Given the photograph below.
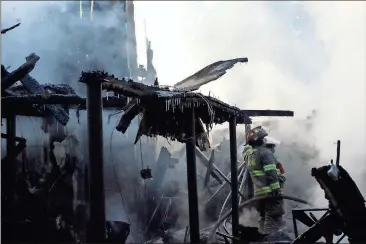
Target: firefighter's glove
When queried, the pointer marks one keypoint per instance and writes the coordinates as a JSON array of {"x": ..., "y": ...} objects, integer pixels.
[
  {"x": 281, "y": 178},
  {"x": 277, "y": 193}
]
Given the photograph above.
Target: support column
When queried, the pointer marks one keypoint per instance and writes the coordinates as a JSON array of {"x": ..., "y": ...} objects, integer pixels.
[
  {"x": 96, "y": 226},
  {"x": 11, "y": 164},
  {"x": 234, "y": 177},
  {"x": 192, "y": 180}
]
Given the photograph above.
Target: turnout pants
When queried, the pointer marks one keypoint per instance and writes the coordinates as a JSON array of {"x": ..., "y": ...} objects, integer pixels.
[{"x": 270, "y": 215}]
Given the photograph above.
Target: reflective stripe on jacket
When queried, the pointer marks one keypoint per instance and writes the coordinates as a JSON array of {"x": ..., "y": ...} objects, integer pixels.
[{"x": 262, "y": 168}]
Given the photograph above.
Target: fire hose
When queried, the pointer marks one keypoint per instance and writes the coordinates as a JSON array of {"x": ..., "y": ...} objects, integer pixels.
[{"x": 211, "y": 236}]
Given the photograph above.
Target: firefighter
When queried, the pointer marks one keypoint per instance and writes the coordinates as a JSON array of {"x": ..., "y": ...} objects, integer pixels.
[
  {"x": 262, "y": 167},
  {"x": 271, "y": 144}
]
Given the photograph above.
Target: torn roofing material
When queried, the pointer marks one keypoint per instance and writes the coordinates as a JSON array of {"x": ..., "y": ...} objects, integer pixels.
[{"x": 210, "y": 73}]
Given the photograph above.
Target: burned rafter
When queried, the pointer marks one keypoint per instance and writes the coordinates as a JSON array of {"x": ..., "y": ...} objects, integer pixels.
[
  {"x": 130, "y": 111},
  {"x": 269, "y": 113},
  {"x": 8, "y": 79},
  {"x": 34, "y": 105},
  {"x": 174, "y": 99},
  {"x": 3, "y": 31}
]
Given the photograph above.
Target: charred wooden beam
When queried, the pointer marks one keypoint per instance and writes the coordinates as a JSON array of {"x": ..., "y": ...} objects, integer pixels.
[
  {"x": 11, "y": 137},
  {"x": 130, "y": 111},
  {"x": 33, "y": 87},
  {"x": 3, "y": 31},
  {"x": 19, "y": 73},
  {"x": 17, "y": 138},
  {"x": 209, "y": 169},
  {"x": 192, "y": 179},
  {"x": 268, "y": 113},
  {"x": 97, "y": 228},
  {"x": 60, "y": 99},
  {"x": 205, "y": 161},
  {"x": 142, "y": 129},
  {"x": 11, "y": 160},
  {"x": 234, "y": 178},
  {"x": 42, "y": 99},
  {"x": 124, "y": 88},
  {"x": 16, "y": 105}
]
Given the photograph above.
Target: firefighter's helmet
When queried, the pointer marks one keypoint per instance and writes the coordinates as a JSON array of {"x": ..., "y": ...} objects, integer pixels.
[{"x": 256, "y": 134}]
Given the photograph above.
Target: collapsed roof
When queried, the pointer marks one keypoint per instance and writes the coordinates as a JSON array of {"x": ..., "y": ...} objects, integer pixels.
[{"x": 164, "y": 111}]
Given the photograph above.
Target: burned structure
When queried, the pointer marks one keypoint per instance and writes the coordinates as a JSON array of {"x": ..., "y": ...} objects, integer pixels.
[{"x": 35, "y": 206}]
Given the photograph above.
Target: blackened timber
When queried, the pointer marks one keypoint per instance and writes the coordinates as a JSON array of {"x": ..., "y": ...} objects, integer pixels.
[
  {"x": 19, "y": 73},
  {"x": 96, "y": 231},
  {"x": 269, "y": 113},
  {"x": 147, "y": 94},
  {"x": 11, "y": 160},
  {"x": 131, "y": 110},
  {"x": 42, "y": 99},
  {"x": 192, "y": 178},
  {"x": 110, "y": 101},
  {"x": 234, "y": 177},
  {"x": 3, "y": 31},
  {"x": 205, "y": 161}
]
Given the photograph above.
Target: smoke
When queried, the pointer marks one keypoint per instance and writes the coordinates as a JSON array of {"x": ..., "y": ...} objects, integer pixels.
[
  {"x": 67, "y": 45},
  {"x": 302, "y": 56}
]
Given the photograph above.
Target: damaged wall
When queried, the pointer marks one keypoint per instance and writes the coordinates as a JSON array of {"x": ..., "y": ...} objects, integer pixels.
[{"x": 66, "y": 45}]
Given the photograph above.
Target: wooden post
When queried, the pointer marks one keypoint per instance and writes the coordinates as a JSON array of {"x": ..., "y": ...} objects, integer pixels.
[
  {"x": 11, "y": 164},
  {"x": 192, "y": 180},
  {"x": 234, "y": 177},
  {"x": 96, "y": 226}
]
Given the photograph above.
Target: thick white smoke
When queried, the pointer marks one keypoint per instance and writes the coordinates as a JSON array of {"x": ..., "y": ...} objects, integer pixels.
[{"x": 302, "y": 56}]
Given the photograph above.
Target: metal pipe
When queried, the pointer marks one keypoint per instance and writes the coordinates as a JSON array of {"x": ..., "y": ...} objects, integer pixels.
[
  {"x": 228, "y": 196},
  {"x": 227, "y": 181},
  {"x": 96, "y": 233},
  {"x": 194, "y": 228},
  {"x": 202, "y": 158},
  {"x": 225, "y": 177},
  {"x": 225, "y": 202},
  {"x": 216, "y": 192},
  {"x": 243, "y": 184},
  {"x": 234, "y": 177}
]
